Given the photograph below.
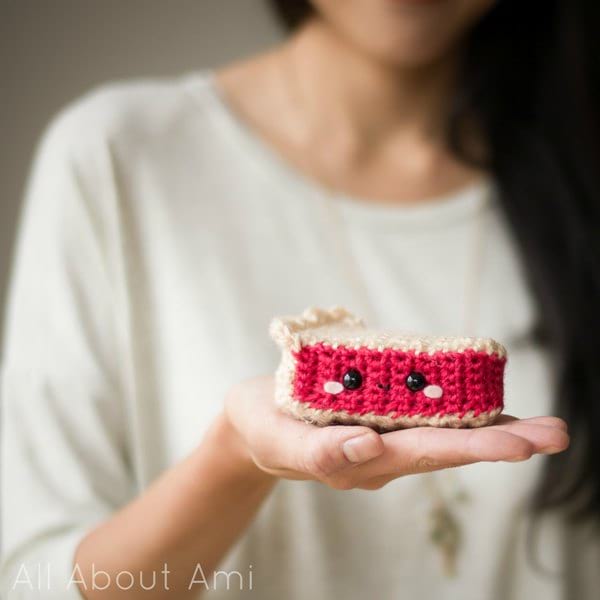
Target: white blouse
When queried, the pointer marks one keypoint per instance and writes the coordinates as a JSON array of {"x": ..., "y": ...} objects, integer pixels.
[{"x": 158, "y": 239}]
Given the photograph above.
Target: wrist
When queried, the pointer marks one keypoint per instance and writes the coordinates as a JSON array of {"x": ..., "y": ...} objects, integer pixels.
[{"x": 225, "y": 440}]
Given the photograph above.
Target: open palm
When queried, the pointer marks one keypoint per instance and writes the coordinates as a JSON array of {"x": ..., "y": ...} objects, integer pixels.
[{"x": 346, "y": 457}]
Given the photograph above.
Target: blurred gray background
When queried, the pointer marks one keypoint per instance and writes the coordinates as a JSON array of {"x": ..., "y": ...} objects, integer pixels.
[{"x": 51, "y": 51}]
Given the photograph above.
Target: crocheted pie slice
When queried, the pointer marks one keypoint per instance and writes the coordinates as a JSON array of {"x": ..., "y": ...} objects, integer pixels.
[{"x": 334, "y": 370}]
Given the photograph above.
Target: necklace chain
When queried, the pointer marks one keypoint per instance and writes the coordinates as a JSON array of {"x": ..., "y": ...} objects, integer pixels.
[{"x": 445, "y": 530}]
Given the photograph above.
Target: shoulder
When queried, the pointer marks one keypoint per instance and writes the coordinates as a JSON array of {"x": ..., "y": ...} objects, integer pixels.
[
  {"x": 129, "y": 114},
  {"x": 106, "y": 142}
]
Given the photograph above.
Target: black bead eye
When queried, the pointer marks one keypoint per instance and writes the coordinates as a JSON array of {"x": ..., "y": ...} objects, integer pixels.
[
  {"x": 415, "y": 381},
  {"x": 352, "y": 379}
]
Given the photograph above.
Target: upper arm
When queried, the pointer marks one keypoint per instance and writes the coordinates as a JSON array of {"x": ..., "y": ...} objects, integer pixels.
[{"x": 64, "y": 439}]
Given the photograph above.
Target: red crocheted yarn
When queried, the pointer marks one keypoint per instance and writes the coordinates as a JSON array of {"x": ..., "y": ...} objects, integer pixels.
[
  {"x": 334, "y": 370},
  {"x": 471, "y": 381}
]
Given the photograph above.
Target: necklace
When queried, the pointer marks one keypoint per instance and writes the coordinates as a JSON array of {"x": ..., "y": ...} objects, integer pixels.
[
  {"x": 444, "y": 527},
  {"x": 445, "y": 530}
]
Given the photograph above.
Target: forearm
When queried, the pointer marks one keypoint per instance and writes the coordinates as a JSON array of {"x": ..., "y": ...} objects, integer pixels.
[{"x": 189, "y": 516}]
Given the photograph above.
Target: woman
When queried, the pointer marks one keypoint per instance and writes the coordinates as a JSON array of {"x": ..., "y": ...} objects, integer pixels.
[{"x": 428, "y": 164}]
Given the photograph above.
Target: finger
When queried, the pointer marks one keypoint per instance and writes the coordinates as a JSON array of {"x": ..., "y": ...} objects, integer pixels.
[
  {"x": 542, "y": 420},
  {"x": 525, "y": 438},
  {"x": 547, "y": 434},
  {"x": 427, "y": 449},
  {"x": 555, "y": 422},
  {"x": 321, "y": 453},
  {"x": 331, "y": 451},
  {"x": 545, "y": 439}
]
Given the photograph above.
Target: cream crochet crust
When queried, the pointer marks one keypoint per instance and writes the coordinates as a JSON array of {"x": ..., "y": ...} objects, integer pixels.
[{"x": 337, "y": 326}]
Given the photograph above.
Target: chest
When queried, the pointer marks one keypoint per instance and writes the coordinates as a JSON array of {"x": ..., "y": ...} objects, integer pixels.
[{"x": 209, "y": 280}]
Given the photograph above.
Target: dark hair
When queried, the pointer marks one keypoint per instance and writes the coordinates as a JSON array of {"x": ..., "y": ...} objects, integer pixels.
[{"x": 529, "y": 82}]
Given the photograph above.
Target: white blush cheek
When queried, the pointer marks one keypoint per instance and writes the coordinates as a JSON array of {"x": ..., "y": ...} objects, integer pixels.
[
  {"x": 433, "y": 391},
  {"x": 333, "y": 387}
]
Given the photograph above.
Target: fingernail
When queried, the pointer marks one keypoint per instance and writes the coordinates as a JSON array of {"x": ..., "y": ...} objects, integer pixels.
[{"x": 361, "y": 448}]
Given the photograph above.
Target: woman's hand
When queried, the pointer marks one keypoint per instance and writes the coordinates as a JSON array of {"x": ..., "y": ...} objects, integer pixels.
[{"x": 346, "y": 457}]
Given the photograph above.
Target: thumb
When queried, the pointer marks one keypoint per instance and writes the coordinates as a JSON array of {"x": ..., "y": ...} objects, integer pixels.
[{"x": 331, "y": 449}]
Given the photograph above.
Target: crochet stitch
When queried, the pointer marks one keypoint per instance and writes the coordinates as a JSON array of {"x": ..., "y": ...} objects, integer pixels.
[{"x": 335, "y": 370}]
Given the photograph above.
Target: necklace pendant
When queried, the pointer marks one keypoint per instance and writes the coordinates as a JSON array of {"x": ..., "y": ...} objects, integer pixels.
[{"x": 445, "y": 535}]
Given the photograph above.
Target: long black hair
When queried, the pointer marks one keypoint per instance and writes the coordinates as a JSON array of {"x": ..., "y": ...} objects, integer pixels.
[{"x": 529, "y": 82}]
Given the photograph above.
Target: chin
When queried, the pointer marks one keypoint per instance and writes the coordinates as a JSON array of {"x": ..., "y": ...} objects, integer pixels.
[
  {"x": 403, "y": 32},
  {"x": 410, "y": 52}
]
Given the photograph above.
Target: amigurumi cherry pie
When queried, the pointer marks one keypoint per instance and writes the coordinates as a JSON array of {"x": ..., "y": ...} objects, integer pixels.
[{"x": 335, "y": 370}]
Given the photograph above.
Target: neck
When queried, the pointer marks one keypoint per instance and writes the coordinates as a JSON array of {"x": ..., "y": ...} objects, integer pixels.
[{"x": 339, "y": 85}]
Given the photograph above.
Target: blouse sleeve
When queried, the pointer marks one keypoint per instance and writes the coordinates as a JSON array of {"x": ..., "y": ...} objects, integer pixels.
[{"x": 65, "y": 465}]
